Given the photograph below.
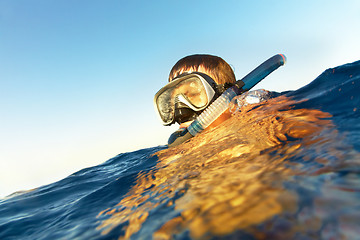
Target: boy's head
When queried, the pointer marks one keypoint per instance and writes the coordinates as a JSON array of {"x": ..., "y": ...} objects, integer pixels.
[
  {"x": 215, "y": 67},
  {"x": 195, "y": 82}
]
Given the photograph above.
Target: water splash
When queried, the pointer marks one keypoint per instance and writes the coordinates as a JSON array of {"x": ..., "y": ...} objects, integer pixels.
[{"x": 251, "y": 97}]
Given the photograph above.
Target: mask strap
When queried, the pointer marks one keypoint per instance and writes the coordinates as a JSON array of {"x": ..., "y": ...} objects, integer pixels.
[{"x": 222, "y": 87}]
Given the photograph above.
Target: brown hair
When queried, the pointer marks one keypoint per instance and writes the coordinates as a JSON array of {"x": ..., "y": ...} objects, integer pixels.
[{"x": 214, "y": 66}]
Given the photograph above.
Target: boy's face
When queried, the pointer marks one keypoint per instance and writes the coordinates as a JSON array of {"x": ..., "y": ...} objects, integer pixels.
[
  {"x": 196, "y": 96},
  {"x": 193, "y": 93}
]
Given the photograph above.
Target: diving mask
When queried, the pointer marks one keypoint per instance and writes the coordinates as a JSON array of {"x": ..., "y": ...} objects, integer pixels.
[{"x": 185, "y": 97}]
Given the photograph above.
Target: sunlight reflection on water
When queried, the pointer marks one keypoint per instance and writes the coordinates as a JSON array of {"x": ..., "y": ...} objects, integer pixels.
[{"x": 237, "y": 179}]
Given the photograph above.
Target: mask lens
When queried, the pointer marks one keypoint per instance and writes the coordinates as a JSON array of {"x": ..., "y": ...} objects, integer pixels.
[
  {"x": 165, "y": 104},
  {"x": 193, "y": 91},
  {"x": 189, "y": 91}
]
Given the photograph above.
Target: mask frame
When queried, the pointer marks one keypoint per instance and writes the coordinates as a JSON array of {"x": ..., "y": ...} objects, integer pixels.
[{"x": 165, "y": 100}]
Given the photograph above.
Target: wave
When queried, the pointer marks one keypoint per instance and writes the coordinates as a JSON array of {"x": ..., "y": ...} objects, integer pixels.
[{"x": 286, "y": 168}]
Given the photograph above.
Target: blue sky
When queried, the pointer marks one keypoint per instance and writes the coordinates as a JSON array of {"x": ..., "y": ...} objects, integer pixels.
[{"x": 77, "y": 78}]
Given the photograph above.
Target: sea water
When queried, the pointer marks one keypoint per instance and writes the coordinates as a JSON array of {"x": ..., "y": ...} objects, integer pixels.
[{"x": 283, "y": 168}]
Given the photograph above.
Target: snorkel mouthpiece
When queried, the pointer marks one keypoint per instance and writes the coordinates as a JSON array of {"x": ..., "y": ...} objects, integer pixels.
[
  {"x": 183, "y": 114},
  {"x": 219, "y": 106}
]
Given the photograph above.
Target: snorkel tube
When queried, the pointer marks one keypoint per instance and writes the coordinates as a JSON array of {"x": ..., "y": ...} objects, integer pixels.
[{"x": 219, "y": 106}]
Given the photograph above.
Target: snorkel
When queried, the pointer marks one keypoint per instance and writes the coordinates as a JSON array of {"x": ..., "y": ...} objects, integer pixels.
[{"x": 219, "y": 106}]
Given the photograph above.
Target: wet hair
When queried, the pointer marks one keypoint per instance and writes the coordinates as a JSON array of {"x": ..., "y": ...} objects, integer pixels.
[{"x": 214, "y": 66}]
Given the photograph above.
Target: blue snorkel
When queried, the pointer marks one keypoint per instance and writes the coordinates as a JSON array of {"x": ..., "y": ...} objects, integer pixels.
[{"x": 219, "y": 106}]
